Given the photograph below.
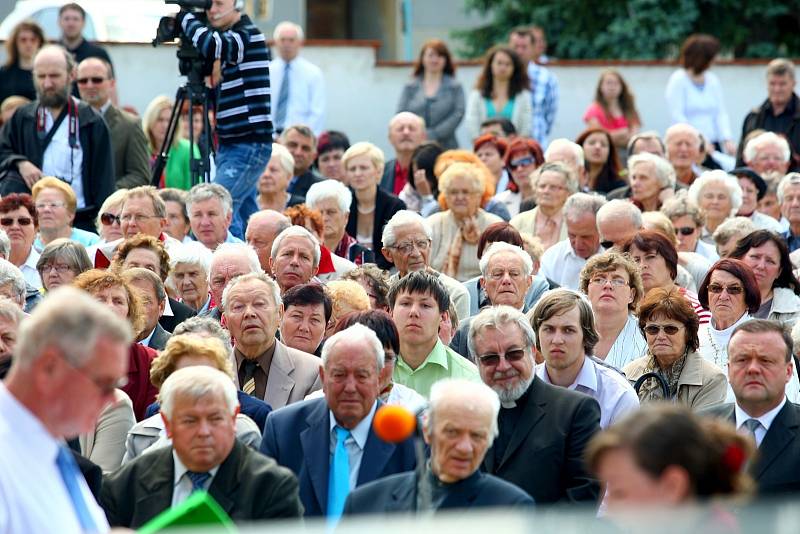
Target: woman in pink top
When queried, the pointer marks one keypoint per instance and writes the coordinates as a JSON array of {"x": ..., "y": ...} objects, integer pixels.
[{"x": 613, "y": 108}]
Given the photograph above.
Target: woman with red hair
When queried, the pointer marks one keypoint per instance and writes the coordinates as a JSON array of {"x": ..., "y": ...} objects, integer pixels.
[
  {"x": 490, "y": 149},
  {"x": 522, "y": 157}
]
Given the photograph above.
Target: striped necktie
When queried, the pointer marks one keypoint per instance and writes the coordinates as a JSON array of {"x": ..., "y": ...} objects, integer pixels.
[{"x": 249, "y": 381}]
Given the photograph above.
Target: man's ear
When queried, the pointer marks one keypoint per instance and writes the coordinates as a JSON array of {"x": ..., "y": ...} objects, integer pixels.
[
  {"x": 167, "y": 425},
  {"x": 387, "y": 253}
]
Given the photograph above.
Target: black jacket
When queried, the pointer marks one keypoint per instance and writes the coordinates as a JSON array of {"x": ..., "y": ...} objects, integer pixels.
[
  {"x": 386, "y": 205},
  {"x": 755, "y": 120},
  {"x": 19, "y": 141}
]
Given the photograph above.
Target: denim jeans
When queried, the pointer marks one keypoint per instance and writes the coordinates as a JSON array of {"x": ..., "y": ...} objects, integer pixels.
[{"x": 238, "y": 167}]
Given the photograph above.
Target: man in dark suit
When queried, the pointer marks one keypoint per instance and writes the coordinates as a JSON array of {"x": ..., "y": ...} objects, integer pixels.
[
  {"x": 329, "y": 443},
  {"x": 544, "y": 429},
  {"x": 759, "y": 367},
  {"x": 204, "y": 455},
  {"x": 96, "y": 83},
  {"x": 153, "y": 298},
  {"x": 461, "y": 425},
  {"x": 406, "y": 133},
  {"x": 302, "y": 143}
]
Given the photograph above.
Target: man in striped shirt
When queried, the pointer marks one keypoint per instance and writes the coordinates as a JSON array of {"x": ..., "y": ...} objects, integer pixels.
[{"x": 244, "y": 128}]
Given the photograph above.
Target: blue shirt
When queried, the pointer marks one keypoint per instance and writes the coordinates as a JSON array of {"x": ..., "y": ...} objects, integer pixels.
[{"x": 792, "y": 241}]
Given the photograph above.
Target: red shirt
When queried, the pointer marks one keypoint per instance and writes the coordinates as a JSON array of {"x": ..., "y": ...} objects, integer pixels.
[
  {"x": 139, "y": 388},
  {"x": 400, "y": 178}
]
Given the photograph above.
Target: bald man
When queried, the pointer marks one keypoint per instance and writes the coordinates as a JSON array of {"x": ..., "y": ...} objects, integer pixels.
[
  {"x": 81, "y": 158},
  {"x": 96, "y": 84},
  {"x": 406, "y": 133}
]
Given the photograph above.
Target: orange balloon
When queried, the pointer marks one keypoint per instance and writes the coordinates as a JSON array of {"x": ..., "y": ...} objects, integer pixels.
[{"x": 394, "y": 423}]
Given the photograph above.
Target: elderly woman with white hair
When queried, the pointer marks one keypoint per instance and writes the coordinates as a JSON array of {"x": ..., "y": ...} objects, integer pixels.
[
  {"x": 687, "y": 220},
  {"x": 372, "y": 207},
  {"x": 769, "y": 155},
  {"x": 552, "y": 184},
  {"x": 650, "y": 175},
  {"x": 274, "y": 181},
  {"x": 719, "y": 196},
  {"x": 457, "y": 230},
  {"x": 333, "y": 199},
  {"x": 189, "y": 267}
]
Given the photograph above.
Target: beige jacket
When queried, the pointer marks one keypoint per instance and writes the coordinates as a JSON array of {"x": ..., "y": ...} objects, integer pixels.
[
  {"x": 106, "y": 445},
  {"x": 701, "y": 384},
  {"x": 444, "y": 232}
]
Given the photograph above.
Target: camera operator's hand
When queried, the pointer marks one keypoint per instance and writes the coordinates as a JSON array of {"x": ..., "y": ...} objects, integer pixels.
[
  {"x": 30, "y": 173},
  {"x": 216, "y": 73}
]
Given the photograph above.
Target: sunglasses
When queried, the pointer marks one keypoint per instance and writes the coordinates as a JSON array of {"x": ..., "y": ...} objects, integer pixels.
[
  {"x": 606, "y": 244},
  {"x": 732, "y": 290},
  {"x": 654, "y": 329},
  {"x": 491, "y": 360},
  {"x": 109, "y": 218},
  {"x": 685, "y": 230},
  {"x": 521, "y": 163},
  {"x": 94, "y": 79},
  {"x": 22, "y": 221}
]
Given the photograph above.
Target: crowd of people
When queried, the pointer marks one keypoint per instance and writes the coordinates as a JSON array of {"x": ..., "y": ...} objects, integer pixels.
[{"x": 610, "y": 321}]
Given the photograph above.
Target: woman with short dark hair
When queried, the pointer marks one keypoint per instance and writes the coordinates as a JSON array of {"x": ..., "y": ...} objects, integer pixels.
[
  {"x": 19, "y": 220},
  {"x": 16, "y": 76},
  {"x": 61, "y": 261},
  {"x": 670, "y": 327}
]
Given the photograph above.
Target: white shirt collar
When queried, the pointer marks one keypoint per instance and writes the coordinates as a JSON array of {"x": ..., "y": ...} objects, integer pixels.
[
  {"x": 765, "y": 420},
  {"x": 587, "y": 376},
  {"x": 38, "y": 440},
  {"x": 146, "y": 341},
  {"x": 361, "y": 432},
  {"x": 181, "y": 469}
]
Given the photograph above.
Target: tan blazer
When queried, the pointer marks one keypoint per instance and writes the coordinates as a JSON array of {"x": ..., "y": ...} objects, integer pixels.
[
  {"x": 701, "y": 384},
  {"x": 106, "y": 445}
]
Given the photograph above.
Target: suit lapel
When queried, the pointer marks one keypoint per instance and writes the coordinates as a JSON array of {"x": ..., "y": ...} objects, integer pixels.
[
  {"x": 376, "y": 455},
  {"x": 223, "y": 487},
  {"x": 156, "y": 484},
  {"x": 781, "y": 432},
  {"x": 315, "y": 440},
  {"x": 404, "y": 496},
  {"x": 531, "y": 414},
  {"x": 280, "y": 382}
]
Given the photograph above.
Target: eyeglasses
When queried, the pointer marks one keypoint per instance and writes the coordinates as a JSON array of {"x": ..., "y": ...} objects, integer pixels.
[
  {"x": 50, "y": 205},
  {"x": 60, "y": 268},
  {"x": 615, "y": 282},
  {"x": 524, "y": 162},
  {"x": 407, "y": 247},
  {"x": 128, "y": 217},
  {"x": 492, "y": 360},
  {"x": 606, "y": 244},
  {"x": 22, "y": 221},
  {"x": 109, "y": 218},
  {"x": 94, "y": 79},
  {"x": 685, "y": 230},
  {"x": 732, "y": 290},
  {"x": 106, "y": 388},
  {"x": 654, "y": 329},
  {"x": 457, "y": 192}
]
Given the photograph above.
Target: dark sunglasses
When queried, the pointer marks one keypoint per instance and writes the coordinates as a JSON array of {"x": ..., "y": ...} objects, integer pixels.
[
  {"x": 22, "y": 221},
  {"x": 732, "y": 290},
  {"x": 654, "y": 329},
  {"x": 606, "y": 244},
  {"x": 685, "y": 230},
  {"x": 94, "y": 79},
  {"x": 493, "y": 359},
  {"x": 521, "y": 163},
  {"x": 108, "y": 219}
]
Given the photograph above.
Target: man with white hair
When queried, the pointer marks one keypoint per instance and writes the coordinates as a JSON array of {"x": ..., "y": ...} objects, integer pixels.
[
  {"x": 333, "y": 199},
  {"x": 407, "y": 244},
  {"x": 544, "y": 429},
  {"x": 780, "y": 112},
  {"x": 71, "y": 356},
  {"x": 199, "y": 408},
  {"x": 769, "y": 155},
  {"x": 460, "y": 428},
  {"x": 683, "y": 151},
  {"x": 262, "y": 229},
  {"x": 617, "y": 222},
  {"x": 562, "y": 263},
  {"x": 228, "y": 261},
  {"x": 406, "y": 133},
  {"x": 10, "y": 319},
  {"x": 330, "y": 443},
  {"x": 652, "y": 180},
  {"x": 298, "y": 87},
  {"x": 189, "y": 267},
  {"x": 294, "y": 258},
  {"x": 570, "y": 154},
  {"x": 789, "y": 198},
  {"x": 210, "y": 208}
]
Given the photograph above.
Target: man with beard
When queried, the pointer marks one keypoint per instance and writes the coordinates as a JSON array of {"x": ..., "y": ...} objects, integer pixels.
[
  {"x": 406, "y": 133},
  {"x": 56, "y": 135},
  {"x": 544, "y": 429}
]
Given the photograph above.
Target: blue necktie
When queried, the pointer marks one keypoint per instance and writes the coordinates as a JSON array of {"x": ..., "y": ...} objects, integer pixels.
[
  {"x": 198, "y": 480},
  {"x": 70, "y": 473},
  {"x": 283, "y": 100},
  {"x": 339, "y": 476}
]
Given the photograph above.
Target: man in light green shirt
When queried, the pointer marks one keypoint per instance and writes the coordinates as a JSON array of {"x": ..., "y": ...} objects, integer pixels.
[{"x": 419, "y": 302}]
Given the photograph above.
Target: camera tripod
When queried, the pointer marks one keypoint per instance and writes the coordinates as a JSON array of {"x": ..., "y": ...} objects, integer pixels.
[{"x": 197, "y": 94}]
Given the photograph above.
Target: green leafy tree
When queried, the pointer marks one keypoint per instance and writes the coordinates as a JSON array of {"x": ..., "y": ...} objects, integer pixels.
[{"x": 641, "y": 29}]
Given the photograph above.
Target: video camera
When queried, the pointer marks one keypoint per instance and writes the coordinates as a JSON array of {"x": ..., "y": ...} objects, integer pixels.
[{"x": 190, "y": 63}]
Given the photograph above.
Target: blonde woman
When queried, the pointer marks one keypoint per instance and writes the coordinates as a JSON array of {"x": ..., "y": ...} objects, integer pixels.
[{"x": 155, "y": 124}]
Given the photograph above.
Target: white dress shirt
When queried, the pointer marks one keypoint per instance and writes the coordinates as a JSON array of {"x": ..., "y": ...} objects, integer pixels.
[
  {"x": 560, "y": 264},
  {"x": 354, "y": 443},
  {"x": 608, "y": 387},
  {"x": 629, "y": 345},
  {"x": 33, "y": 497},
  {"x": 765, "y": 420},
  {"x": 63, "y": 161},
  {"x": 306, "y": 92},
  {"x": 182, "y": 484},
  {"x": 29, "y": 271}
]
